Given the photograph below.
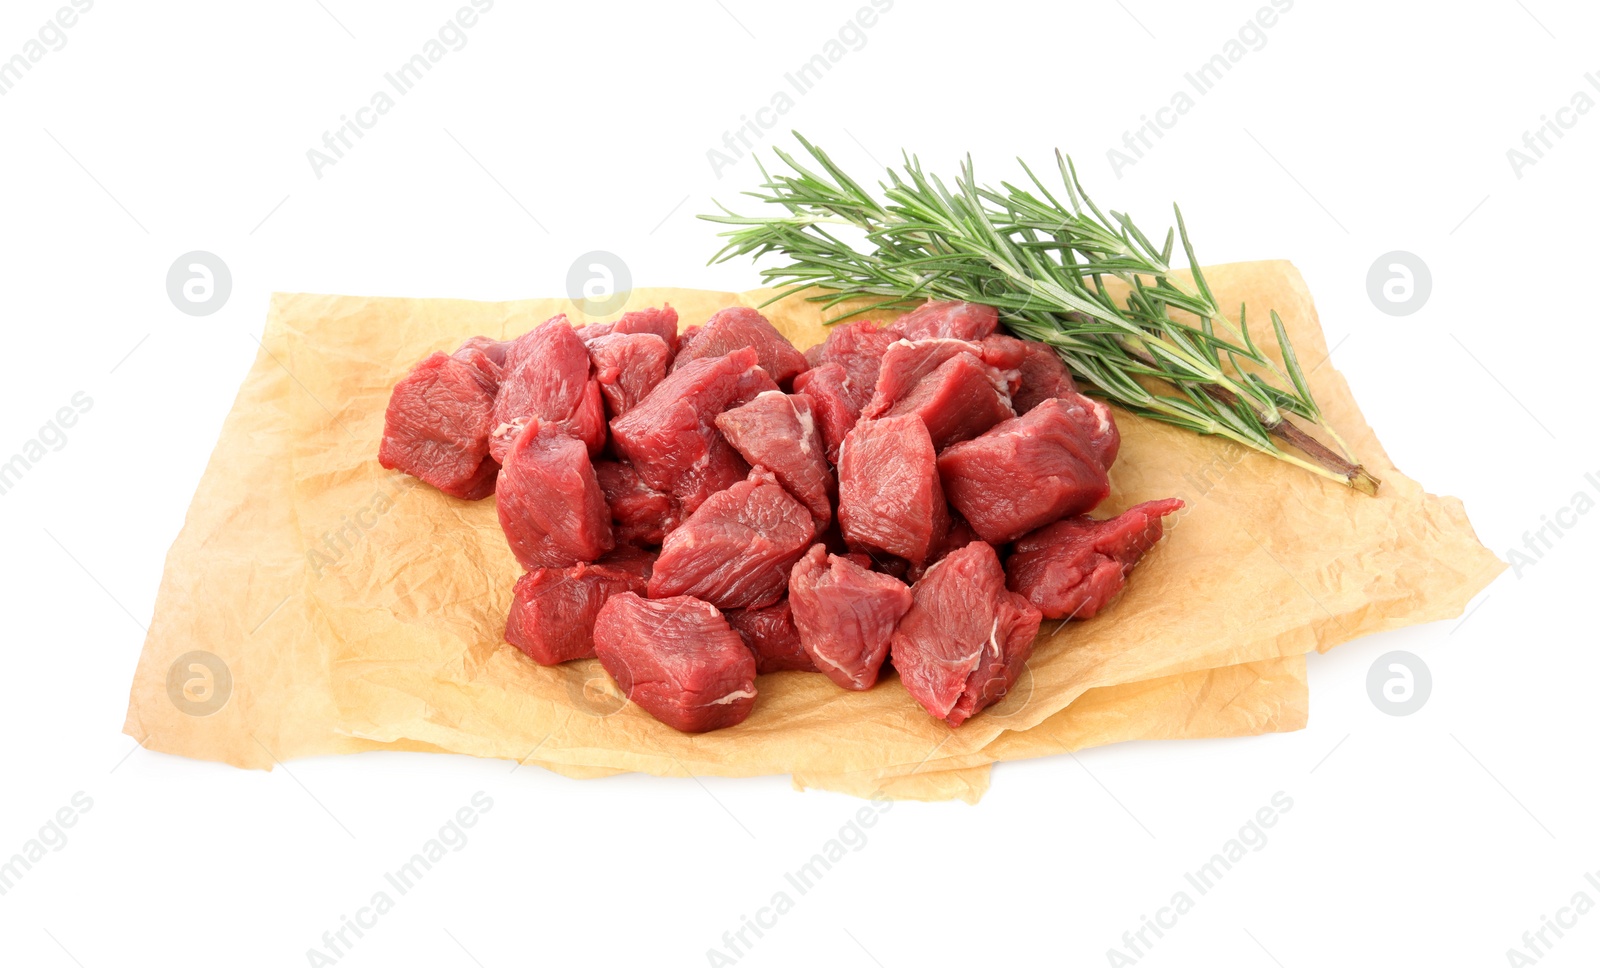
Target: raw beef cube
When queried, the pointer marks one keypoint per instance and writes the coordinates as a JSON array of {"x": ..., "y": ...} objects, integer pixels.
[
  {"x": 965, "y": 638},
  {"x": 628, "y": 366},
  {"x": 1072, "y": 568},
  {"x": 890, "y": 498},
  {"x": 772, "y": 637},
  {"x": 486, "y": 354},
  {"x": 639, "y": 513},
  {"x": 735, "y": 328},
  {"x": 661, "y": 322},
  {"x": 437, "y": 427},
  {"x": 492, "y": 348},
  {"x": 777, "y": 430},
  {"x": 1094, "y": 419},
  {"x": 960, "y": 400},
  {"x": 547, "y": 378},
  {"x": 721, "y": 468},
  {"x": 678, "y": 659},
  {"x": 845, "y": 614},
  {"x": 553, "y": 609},
  {"x": 905, "y": 363},
  {"x": 551, "y": 507},
  {"x": 1044, "y": 377},
  {"x": 1006, "y": 354},
  {"x": 671, "y": 437},
  {"x": 836, "y": 402},
  {"x": 858, "y": 347},
  {"x": 957, "y": 320},
  {"x": 736, "y": 550},
  {"x": 1025, "y": 473}
]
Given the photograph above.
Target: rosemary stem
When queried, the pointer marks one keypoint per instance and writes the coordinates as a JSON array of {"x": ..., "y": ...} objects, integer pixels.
[{"x": 1044, "y": 265}]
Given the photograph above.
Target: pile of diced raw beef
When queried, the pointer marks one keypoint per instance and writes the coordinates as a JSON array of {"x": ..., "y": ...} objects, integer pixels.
[{"x": 698, "y": 508}]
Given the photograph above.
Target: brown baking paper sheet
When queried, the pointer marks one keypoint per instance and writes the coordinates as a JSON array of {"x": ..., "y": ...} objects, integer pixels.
[{"x": 356, "y": 609}]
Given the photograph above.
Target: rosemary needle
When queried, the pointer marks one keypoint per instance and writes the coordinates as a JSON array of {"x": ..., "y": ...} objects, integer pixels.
[{"x": 1045, "y": 266}]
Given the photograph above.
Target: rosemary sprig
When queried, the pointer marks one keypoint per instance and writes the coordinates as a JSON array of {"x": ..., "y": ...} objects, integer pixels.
[{"x": 1045, "y": 266}]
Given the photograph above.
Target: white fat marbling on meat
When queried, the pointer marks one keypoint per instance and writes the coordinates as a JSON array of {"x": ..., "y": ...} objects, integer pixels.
[
  {"x": 808, "y": 427},
  {"x": 1103, "y": 414},
  {"x": 832, "y": 664},
  {"x": 734, "y": 696}
]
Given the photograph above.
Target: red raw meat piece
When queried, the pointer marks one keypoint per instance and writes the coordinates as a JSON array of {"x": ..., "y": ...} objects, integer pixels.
[
  {"x": 736, "y": 550},
  {"x": 661, "y": 322},
  {"x": 738, "y": 327},
  {"x": 845, "y": 614},
  {"x": 1072, "y": 568},
  {"x": 778, "y": 431},
  {"x": 437, "y": 425},
  {"x": 678, "y": 659},
  {"x": 492, "y": 348},
  {"x": 553, "y": 609},
  {"x": 1094, "y": 419},
  {"x": 488, "y": 355},
  {"x": 904, "y": 364},
  {"x": 628, "y": 366},
  {"x": 890, "y": 498},
  {"x": 960, "y": 400},
  {"x": 858, "y": 347},
  {"x": 965, "y": 638},
  {"x": 547, "y": 378},
  {"x": 957, "y": 320},
  {"x": 671, "y": 437},
  {"x": 1028, "y": 471},
  {"x": 772, "y": 637},
  {"x": 641, "y": 514},
  {"x": 1044, "y": 377},
  {"x": 1006, "y": 354},
  {"x": 836, "y": 401},
  {"x": 551, "y": 507}
]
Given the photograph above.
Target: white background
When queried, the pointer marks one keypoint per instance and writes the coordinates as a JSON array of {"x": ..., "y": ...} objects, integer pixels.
[{"x": 1359, "y": 128}]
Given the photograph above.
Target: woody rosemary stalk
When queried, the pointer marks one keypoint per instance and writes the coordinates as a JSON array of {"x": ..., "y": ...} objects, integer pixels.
[{"x": 1045, "y": 266}]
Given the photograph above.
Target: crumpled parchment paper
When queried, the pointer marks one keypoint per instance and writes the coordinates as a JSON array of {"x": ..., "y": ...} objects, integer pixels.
[{"x": 354, "y": 608}]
